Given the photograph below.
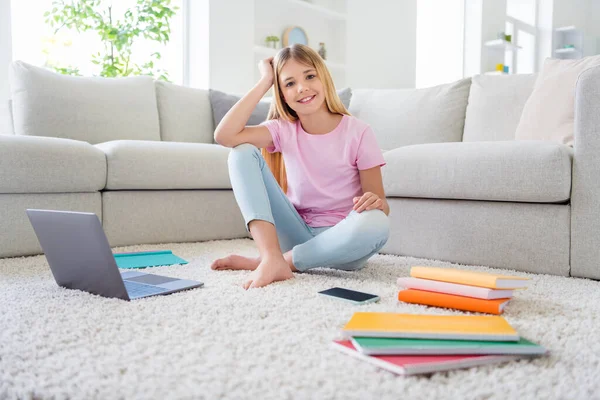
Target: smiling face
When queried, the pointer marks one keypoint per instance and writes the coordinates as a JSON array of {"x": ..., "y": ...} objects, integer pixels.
[{"x": 301, "y": 87}]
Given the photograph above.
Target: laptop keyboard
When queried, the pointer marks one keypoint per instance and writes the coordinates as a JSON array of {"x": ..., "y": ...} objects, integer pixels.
[{"x": 135, "y": 290}]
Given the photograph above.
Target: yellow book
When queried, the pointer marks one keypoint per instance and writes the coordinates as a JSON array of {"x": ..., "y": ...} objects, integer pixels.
[
  {"x": 458, "y": 327},
  {"x": 472, "y": 278}
]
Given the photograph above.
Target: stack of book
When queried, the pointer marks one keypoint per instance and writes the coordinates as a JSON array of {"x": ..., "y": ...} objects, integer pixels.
[
  {"x": 459, "y": 289},
  {"x": 416, "y": 344}
]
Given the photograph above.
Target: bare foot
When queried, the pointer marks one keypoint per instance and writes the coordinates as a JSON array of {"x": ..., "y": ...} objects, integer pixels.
[
  {"x": 268, "y": 272},
  {"x": 235, "y": 262}
]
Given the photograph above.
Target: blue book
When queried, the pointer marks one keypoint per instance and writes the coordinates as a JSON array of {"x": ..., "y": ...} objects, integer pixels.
[{"x": 143, "y": 259}]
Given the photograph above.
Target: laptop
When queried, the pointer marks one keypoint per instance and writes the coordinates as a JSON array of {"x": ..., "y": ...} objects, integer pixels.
[{"x": 80, "y": 257}]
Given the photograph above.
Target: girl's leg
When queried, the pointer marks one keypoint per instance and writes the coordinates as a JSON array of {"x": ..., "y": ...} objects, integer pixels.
[
  {"x": 347, "y": 245},
  {"x": 270, "y": 217}
]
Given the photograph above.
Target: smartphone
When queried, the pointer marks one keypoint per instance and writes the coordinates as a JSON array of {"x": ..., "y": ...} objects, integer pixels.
[{"x": 350, "y": 295}]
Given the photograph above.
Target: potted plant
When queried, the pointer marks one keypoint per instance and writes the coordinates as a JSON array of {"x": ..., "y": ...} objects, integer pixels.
[
  {"x": 272, "y": 41},
  {"x": 148, "y": 19}
]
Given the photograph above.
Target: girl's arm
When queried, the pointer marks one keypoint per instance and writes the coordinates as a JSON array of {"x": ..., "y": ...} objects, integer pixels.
[
  {"x": 232, "y": 129},
  {"x": 372, "y": 182}
]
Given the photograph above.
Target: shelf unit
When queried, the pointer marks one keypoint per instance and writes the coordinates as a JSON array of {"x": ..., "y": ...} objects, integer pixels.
[
  {"x": 322, "y": 20},
  {"x": 499, "y": 51},
  {"x": 568, "y": 35}
]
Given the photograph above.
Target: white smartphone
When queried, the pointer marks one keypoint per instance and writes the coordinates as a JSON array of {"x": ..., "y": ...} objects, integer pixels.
[{"x": 350, "y": 295}]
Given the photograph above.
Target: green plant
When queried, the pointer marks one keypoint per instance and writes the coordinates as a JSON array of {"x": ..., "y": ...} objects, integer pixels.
[
  {"x": 149, "y": 19},
  {"x": 272, "y": 39}
]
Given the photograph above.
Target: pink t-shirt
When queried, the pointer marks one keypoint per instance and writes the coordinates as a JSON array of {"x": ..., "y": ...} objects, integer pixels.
[{"x": 322, "y": 170}]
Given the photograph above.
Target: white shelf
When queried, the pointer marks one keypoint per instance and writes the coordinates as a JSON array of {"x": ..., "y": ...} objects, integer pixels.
[
  {"x": 496, "y": 73},
  {"x": 264, "y": 51},
  {"x": 501, "y": 44},
  {"x": 567, "y": 50},
  {"x": 566, "y": 29},
  {"x": 322, "y": 10}
]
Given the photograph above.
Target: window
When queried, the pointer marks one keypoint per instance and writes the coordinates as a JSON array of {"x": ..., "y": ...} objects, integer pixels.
[{"x": 35, "y": 42}]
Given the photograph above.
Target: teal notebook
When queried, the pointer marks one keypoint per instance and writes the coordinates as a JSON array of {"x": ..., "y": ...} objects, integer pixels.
[
  {"x": 145, "y": 259},
  {"x": 393, "y": 346}
]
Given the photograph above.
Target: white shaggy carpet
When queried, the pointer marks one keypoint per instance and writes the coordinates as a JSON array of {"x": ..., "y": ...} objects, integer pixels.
[{"x": 223, "y": 342}]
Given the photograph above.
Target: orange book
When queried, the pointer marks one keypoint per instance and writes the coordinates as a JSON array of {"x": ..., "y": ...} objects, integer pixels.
[
  {"x": 444, "y": 300},
  {"x": 472, "y": 278},
  {"x": 456, "y": 327}
]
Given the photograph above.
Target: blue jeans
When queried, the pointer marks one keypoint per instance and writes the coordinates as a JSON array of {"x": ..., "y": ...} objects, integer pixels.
[{"x": 346, "y": 246}]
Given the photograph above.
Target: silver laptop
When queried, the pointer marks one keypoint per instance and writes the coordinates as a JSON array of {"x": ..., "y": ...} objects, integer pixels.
[{"x": 80, "y": 258}]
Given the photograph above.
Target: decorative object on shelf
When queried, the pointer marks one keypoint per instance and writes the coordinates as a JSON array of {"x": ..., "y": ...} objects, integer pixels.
[
  {"x": 504, "y": 36},
  {"x": 272, "y": 41},
  {"x": 569, "y": 46},
  {"x": 322, "y": 51},
  {"x": 505, "y": 70},
  {"x": 293, "y": 35},
  {"x": 500, "y": 67}
]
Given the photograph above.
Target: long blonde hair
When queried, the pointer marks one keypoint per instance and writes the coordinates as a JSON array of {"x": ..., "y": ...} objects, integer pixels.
[{"x": 279, "y": 108}]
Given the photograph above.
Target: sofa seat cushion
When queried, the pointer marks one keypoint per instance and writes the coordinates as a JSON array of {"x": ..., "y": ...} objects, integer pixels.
[
  {"x": 32, "y": 164},
  {"x": 138, "y": 164},
  {"x": 516, "y": 171}
]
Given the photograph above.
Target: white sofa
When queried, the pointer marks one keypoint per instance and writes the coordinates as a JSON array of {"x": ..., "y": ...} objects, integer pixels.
[{"x": 140, "y": 154}]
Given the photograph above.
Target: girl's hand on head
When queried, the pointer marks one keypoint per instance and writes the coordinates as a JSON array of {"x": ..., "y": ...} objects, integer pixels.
[
  {"x": 368, "y": 201},
  {"x": 267, "y": 73}
]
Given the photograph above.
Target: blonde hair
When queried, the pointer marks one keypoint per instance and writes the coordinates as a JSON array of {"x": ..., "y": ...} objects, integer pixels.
[{"x": 280, "y": 109}]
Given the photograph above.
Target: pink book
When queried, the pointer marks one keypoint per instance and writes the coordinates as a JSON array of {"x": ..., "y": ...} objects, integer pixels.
[
  {"x": 410, "y": 365},
  {"x": 454, "y": 288}
]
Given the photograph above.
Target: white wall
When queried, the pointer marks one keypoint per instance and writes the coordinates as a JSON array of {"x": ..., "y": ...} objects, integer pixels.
[
  {"x": 231, "y": 45},
  {"x": 5, "y": 59},
  {"x": 440, "y": 40},
  {"x": 545, "y": 11},
  {"x": 196, "y": 53},
  {"x": 381, "y": 43},
  {"x": 593, "y": 24}
]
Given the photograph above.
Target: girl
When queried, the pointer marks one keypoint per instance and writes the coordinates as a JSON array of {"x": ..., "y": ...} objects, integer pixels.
[{"x": 335, "y": 211}]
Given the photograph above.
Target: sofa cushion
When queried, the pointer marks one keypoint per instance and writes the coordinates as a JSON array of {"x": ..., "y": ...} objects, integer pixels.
[
  {"x": 30, "y": 164},
  {"x": 402, "y": 117},
  {"x": 90, "y": 109},
  {"x": 549, "y": 113},
  {"x": 165, "y": 165},
  {"x": 495, "y": 106},
  {"x": 518, "y": 171},
  {"x": 6, "y": 125},
  {"x": 222, "y": 102},
  {"x": 185, "y": 114}
]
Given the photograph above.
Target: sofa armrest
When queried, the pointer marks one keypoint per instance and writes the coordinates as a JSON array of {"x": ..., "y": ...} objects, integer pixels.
[
  {"x": 585, "y": 191},
  {"x": 35, "y": 164}
]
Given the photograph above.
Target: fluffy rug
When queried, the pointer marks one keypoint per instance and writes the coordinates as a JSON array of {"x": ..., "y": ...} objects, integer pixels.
[{"x": 223, "y": 342}]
